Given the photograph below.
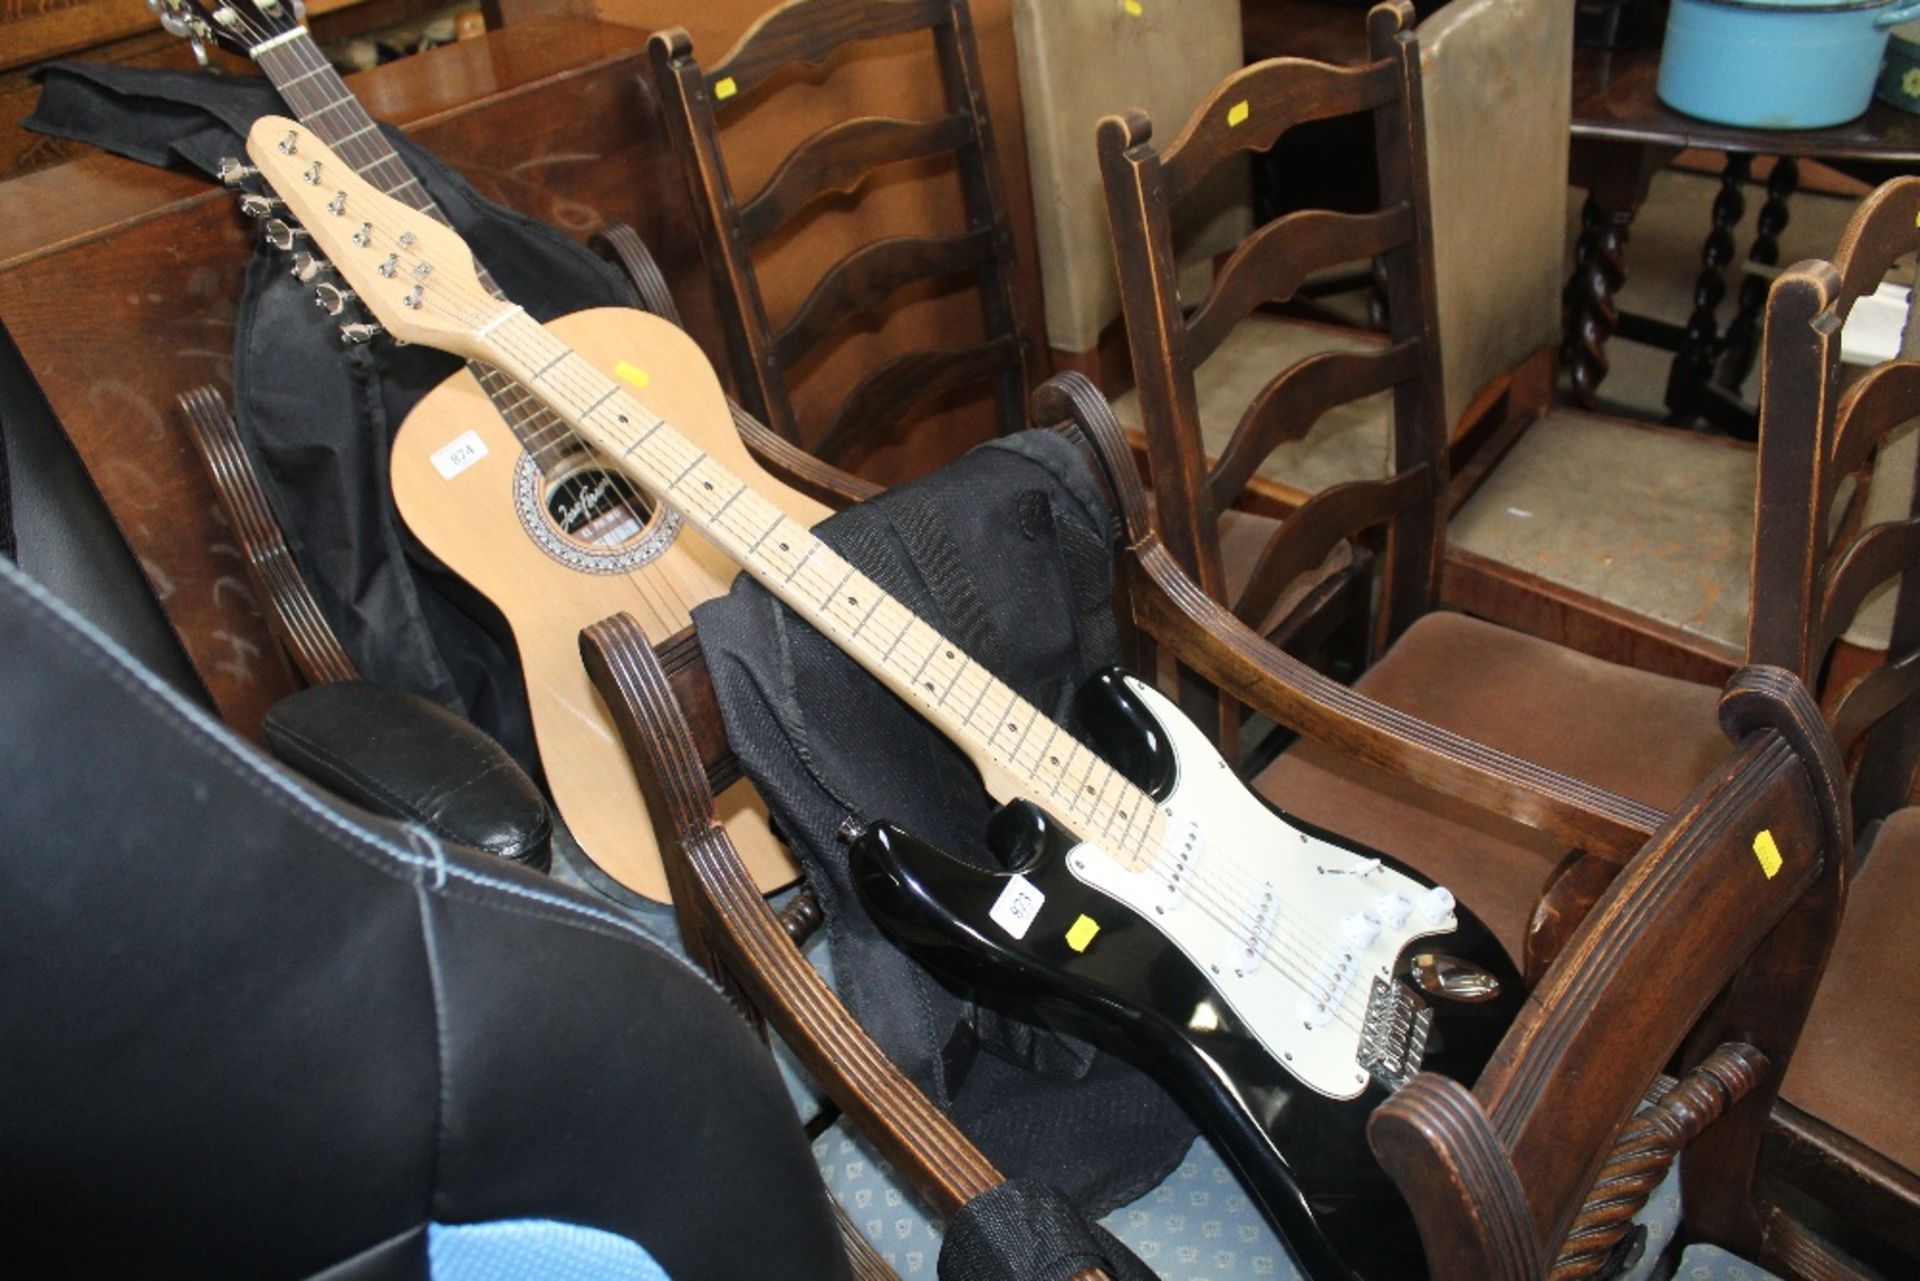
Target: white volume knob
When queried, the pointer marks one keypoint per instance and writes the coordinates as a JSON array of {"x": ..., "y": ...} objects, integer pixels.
[
  {"x": 1436, "y": 905},
  {"x": 1392, "y": 909},
  {"x": 1360, "y": 930}
]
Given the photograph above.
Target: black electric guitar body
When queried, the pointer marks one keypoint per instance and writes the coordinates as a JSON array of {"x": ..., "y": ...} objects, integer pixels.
[{"x": 1302, "y": 1154}]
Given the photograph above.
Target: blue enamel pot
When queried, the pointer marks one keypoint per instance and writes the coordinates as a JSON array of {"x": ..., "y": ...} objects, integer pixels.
[{"x": 1776, "y": 64}]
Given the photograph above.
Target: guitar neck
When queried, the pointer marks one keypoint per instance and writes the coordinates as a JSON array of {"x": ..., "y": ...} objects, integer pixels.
[
  {"x": 1019, "y": 751},
  {"x": 322, "y": 101}
]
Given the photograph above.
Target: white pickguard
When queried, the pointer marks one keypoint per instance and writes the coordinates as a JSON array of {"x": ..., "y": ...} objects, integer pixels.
[{"x": 1277, "y": 919}]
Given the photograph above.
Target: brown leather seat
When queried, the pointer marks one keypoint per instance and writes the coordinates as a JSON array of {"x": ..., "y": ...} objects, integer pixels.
[
  {"x": 1856, "y": 1068},
  {"x": 1651, "y": 738}
]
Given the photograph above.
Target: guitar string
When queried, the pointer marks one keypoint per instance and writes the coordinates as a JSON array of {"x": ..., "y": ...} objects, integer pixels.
[
  {"x": 1304, "y": 977},
  {"x": 666, "y": 599}
]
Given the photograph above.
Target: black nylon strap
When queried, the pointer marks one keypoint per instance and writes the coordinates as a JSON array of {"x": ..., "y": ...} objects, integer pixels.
[{"x": 1023, "y": 1230}]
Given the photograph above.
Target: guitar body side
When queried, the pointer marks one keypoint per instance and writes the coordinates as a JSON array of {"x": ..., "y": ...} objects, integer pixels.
[
  {"x": 1108, "y": 969},
  {"x": 471, "y": 521}
]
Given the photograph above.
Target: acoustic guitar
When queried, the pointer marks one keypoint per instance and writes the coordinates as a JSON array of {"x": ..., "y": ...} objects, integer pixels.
[
  {"x": 509, "y": 497},
  {"x": 1284, "y": 980}
]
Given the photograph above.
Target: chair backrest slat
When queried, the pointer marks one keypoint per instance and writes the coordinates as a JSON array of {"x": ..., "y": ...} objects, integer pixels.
[
  {"x": 811, "y": 32},
  {"x": 1869, "y": 559},
  {"x": 839, "y": 157},
  {"x": 1252, "y": 108},
  {"x": 867, "y": 277},
  {"x": 1311, "y": 531},
  {"x": 1286, "y": 409},
  {"x": 1272, "y": 263},
  {"x": 1886, "y": 395},
  {"x": 918, "y": 375}
]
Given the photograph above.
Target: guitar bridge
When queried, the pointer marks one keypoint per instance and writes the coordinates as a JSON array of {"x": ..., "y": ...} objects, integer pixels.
[{"x": 1393, "y": 1036}]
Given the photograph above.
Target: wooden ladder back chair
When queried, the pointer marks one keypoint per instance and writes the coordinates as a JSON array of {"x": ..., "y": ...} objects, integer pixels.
[
  {"x": 1816, "y": 558},
  {"x": 839, "y": 158},
  {"x": 1169, "y": 340},
  {"x": 1847, "y": 1131},
  {"x": 1728, "y": 915}
]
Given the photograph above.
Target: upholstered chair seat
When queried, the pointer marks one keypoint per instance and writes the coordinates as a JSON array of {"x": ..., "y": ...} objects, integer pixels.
[
  {"x": 1858, "y": 1066},
  {"x": 1651, "y": 738}
]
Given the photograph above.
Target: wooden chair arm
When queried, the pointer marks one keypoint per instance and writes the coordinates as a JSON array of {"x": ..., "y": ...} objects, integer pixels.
[
  {"x": 1205, "y": 636},
  {"x": 291, "y": 610},
  {"x": 812, "y": 476},
  {"x": 792, "y": 464},
  {"x": 741, "y": 936},
  {"x": 621, "y": 245}
]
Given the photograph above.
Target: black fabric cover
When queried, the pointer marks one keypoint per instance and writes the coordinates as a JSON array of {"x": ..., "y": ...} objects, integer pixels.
[
  {"x": 319, "y": 418},
  {"x": 1008, "y": 552},
  {"x": 1023, "y": 1230},
  {"x": 247, "y": 1032}
]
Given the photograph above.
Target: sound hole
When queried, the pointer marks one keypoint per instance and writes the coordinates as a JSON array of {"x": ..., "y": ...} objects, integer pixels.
[
  {"x": 589, "y": 517},
  {"x": 597, "y": 507}
]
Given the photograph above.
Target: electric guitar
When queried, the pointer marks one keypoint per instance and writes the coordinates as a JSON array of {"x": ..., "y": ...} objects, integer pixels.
[
  {"x": 506, "y": 495},
  {"x": 1282, "y": 979}
]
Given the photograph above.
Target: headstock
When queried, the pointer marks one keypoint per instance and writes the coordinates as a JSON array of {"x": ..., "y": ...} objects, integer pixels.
[
  {"x": 414, "y": 273},
  {"x": 239, "y": 25}
]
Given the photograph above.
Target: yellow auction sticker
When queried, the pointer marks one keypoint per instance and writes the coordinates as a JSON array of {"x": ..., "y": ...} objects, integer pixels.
[
  {"x": 724, "y": 88},
  {"x": 1237, "y": 113},
  {"x": 632, "y": 373},
  {"x": 1767, "y": 852},
  {"x": 1081, "y": 933}
]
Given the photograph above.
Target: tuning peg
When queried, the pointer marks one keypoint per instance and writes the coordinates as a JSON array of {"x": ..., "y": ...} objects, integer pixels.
[
  {"x": 357, "y": 332},
  {"x": 331, "y": 298},
  {"x": 199, "y": 48},
  {"x": 254, "y": 205},
  {"x": 233, "y": 172},
  {"x": 306, "y": 266},
  {"x": 282, "y": 234}
]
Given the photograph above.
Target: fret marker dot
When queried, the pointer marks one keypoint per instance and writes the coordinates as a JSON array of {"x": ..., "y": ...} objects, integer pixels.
[
  {"x": 949, "y": 653},
  {"x": 784, "y": 547},
  {"x": 1123, "y": 815},
  {"x": 929, "y": 687},
  {"x": 1089, "y": 788},
  {"x": 706, "y": 484},
  {"x": 852, "y": 601},
  {"x": 1054, "y": 759}
]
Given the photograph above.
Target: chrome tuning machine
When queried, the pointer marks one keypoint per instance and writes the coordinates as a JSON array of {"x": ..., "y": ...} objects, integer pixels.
[
  {"x": 255, "y": 205},
  {"x": 234, "y": 172},
  {"x": 282, "y": 234},
  {"x": 332, "y": 299},
  {"x": 355, "y": 333},
  {"x": 306, "y": 266}
]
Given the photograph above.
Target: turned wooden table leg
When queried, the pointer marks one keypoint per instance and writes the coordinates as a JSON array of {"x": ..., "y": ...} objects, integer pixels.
[
  {"x": 1616, "y": 177},
  {"x": 1693, "y": 363},
  {"x": 1743, "y": 332}
]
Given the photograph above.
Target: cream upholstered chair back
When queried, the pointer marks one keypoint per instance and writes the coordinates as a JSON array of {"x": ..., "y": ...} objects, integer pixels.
[
  {"x": 1496, "y": 87},
  {"x": 1084, "y": 59}
]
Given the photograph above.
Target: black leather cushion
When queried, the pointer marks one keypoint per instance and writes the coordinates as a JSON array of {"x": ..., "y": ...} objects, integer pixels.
[
  {"x": 245, "y": 1031},
  {"x": 406, "y": 757}
]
